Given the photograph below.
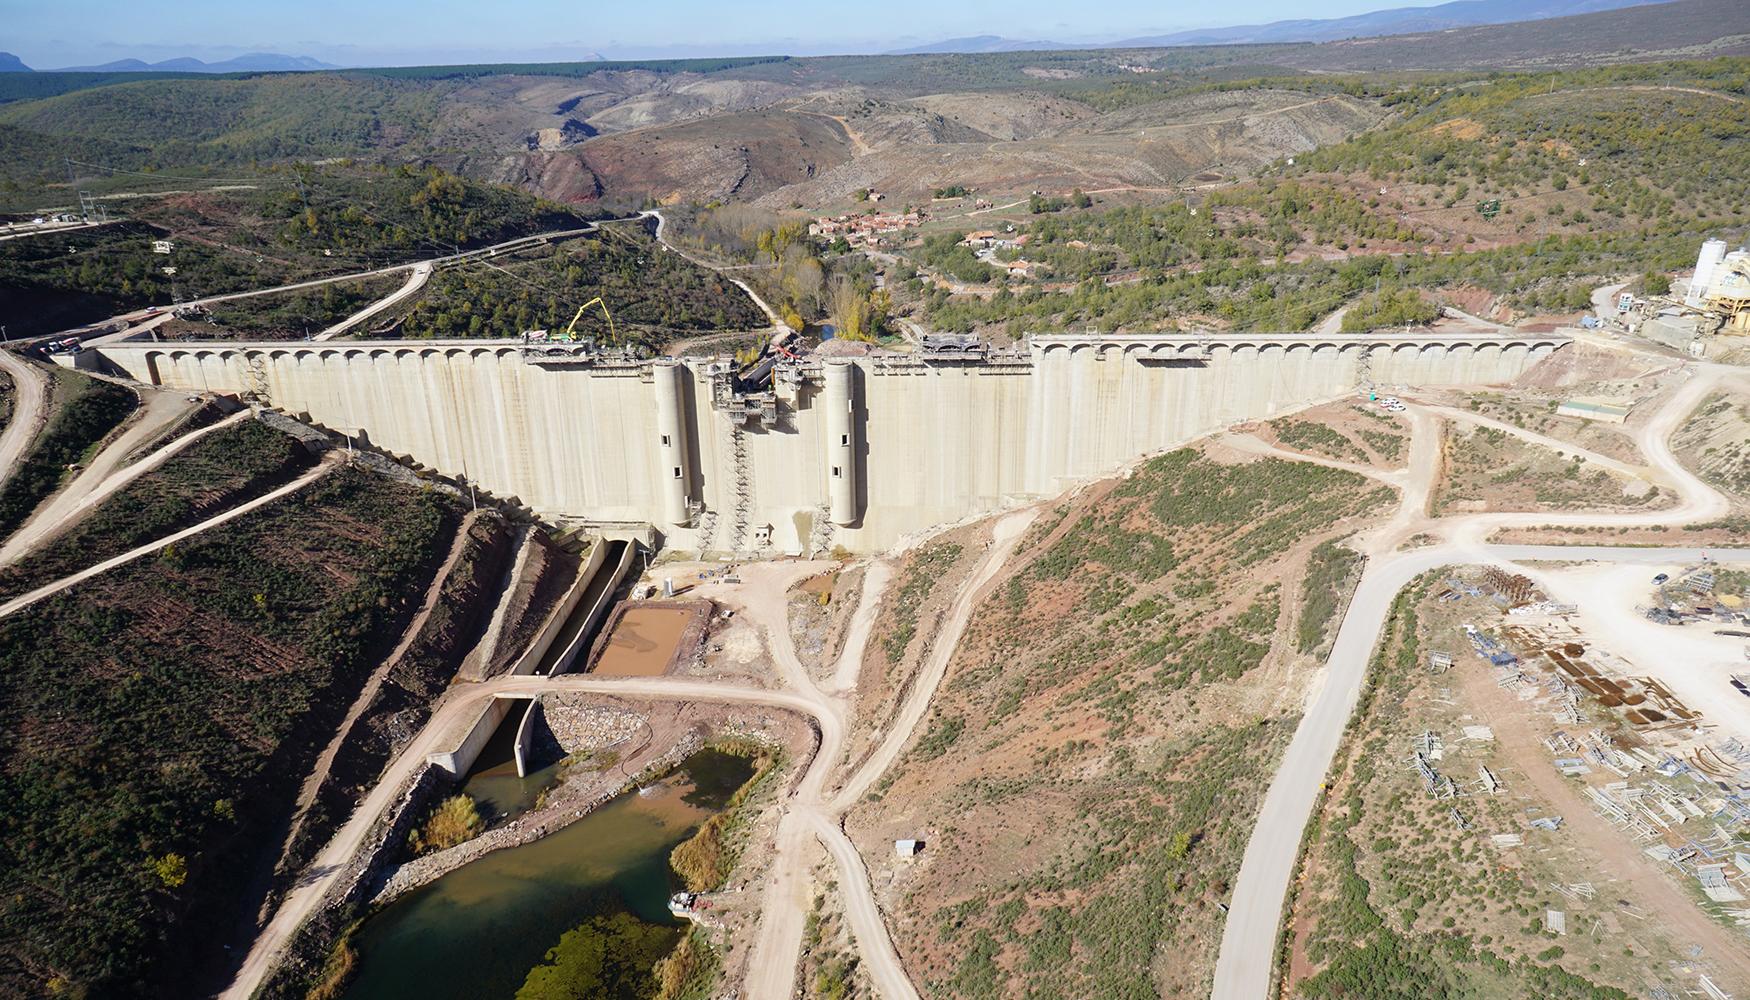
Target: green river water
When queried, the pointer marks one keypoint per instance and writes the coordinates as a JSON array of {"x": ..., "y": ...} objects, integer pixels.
[{"x": 477, "y": 932}]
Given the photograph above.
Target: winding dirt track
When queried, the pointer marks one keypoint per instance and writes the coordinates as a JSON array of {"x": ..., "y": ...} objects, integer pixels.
[
  {"x": 100, "y": 482},
  {"x": 28, "y": 412},
  {"x": 772, "y": 968},
  {"x": 1245, "y": 967},
  {"x": 415, "y": 282},
  {"x": 156, "y": 317},
  {"x": 67, "y": 583}
]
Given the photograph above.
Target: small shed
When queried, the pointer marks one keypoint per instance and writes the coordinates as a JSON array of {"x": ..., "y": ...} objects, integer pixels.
[{"x": 908, "y": 848}]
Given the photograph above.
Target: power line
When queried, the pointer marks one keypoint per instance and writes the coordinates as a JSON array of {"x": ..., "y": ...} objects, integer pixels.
[{"x": 161, "y": 176}]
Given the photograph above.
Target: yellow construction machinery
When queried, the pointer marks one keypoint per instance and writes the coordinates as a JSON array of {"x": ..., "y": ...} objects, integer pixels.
[{"x": 597, "y": 301}]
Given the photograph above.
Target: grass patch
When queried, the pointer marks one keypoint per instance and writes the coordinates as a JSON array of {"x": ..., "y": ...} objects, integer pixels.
[
  {"x": 1329, "y": 571},
  {"x": 453, "y": 821},
  {"x": 1304, "y": 435},
  {"x": 923, "y": 571},
  {"x": 704, "y": 860},
  {"x": 688, "y": 972}
]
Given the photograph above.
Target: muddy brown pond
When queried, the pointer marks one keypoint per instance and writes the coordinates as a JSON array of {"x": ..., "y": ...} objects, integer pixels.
[{"x": 480, "y": 930}]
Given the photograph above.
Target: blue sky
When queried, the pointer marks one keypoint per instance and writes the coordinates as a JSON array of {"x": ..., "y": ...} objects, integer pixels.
[{"x": 48, "y": 34}]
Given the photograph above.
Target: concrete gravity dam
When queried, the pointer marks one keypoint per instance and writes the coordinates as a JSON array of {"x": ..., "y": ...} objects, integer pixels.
[{"x": 819, "y": 453}]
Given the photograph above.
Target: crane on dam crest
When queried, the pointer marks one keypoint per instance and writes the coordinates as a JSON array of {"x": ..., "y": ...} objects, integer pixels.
[{"x": 597, "y": 301}]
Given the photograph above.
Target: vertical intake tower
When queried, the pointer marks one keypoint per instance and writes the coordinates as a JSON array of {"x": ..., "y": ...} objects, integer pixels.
[
  {"x": 841, "y": 439},
  {"x": 671, "y": 431}
]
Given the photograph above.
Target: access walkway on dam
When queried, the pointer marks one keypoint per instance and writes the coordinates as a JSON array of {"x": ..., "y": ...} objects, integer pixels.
[{"x": 830, "y": 453}]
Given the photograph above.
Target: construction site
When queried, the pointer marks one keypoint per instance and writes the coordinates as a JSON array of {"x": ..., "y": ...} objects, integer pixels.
[
  {"x": 1583, "y": 806},
  {"x": 1711, "y": 319}
]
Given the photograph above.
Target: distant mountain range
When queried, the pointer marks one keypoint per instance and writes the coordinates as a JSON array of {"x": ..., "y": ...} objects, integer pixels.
[
  {"x": 1396, "y": 21},
  {"x": 1400, "y": 20},
  {"x": 981, "y": 43},
  {"x": 260, "y": 62}
]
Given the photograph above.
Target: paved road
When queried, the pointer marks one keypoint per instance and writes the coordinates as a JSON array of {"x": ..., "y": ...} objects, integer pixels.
[
  {"x": 28, "y": 412},
  {"x": 26, "y": 230},
  {"x": 1246, "y": 964},
  {"x": 153, "y": 318},
  {"x": 415, "y": 282}
]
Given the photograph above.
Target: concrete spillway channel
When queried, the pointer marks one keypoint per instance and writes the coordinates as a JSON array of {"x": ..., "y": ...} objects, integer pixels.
[
  {"x": 568, "y": 631},
  {"x": 592, "y": 607}
]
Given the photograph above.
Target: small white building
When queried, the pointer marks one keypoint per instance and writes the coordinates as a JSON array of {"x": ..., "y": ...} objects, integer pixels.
[
  {"x": 908, "y": 848},
  {"x": 1603, "y": 409}
]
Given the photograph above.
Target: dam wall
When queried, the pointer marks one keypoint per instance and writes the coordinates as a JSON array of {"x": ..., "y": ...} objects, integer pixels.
[{"x": 851, "y": 452}]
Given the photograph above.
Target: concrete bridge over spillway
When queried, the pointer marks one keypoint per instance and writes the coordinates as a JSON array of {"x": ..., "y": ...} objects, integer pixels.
[{"x": 851, "y": 452}]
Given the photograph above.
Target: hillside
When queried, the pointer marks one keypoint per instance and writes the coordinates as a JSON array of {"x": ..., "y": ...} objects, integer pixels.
[
  {"x": 1396, "y": 20},
  {"x": 747, "y": 128},
  {"x": 286, "y": 225},
  {"x": 1099, "y": 747},
  {"x": 1687, "y": 29},
  {"x": 1587, "y": 178},
  {"x": 158, "y": 720},
  {"x": 230, "y": 121}
]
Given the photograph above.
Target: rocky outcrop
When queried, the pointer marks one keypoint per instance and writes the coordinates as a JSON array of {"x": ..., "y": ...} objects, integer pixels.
[{"x": 564, "y": 136}]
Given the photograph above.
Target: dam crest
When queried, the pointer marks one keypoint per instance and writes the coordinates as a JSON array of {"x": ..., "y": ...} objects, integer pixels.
[{"x": 817, "y": 453}]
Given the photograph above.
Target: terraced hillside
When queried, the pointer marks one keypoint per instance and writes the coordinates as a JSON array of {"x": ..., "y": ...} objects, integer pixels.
[{"x": 156, "y": 721}]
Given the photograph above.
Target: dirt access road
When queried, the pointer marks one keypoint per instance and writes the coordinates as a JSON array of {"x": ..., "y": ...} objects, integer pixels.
[
  {"x": 814, "y": 812},
  {"x": 415, "y": 282},
  {"x": 29, "y": 410},
  {"x": 778, "y": 324},
  {"x": 102, "y": 480},
  {"x": 66, "y": 583},
  {"x": 1246, "y": 967},
  {"x": 155, "y": 315}
]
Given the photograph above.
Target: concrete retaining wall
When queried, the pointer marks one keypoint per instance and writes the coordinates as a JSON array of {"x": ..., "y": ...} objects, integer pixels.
[
  {"x": 599, "y": 608},
  {"x": 455, "y": 762},
  {"x": 929, "y": 441},
  {"x": 525, "y": 737},
  {"x": 532, "y": 656}
]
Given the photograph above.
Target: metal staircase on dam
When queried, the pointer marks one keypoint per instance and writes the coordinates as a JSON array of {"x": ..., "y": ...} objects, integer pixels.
[
  {"x": 820, "y": 539},
  {"x": 741, "y": 517},
  {"x": 707, "y": 529}
]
